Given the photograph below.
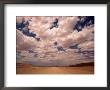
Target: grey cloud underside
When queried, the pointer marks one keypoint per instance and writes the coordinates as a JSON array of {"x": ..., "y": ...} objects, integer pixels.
[
  {"x": 64, "y": 48},
  {"x": 38, "y": 60}
]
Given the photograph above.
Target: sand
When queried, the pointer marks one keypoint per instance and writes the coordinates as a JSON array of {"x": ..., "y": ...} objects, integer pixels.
[{"x": 77, "y": 69}]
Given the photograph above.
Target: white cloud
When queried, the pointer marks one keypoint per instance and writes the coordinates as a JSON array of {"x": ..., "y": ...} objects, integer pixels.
[{"x": 64, "y": 35}]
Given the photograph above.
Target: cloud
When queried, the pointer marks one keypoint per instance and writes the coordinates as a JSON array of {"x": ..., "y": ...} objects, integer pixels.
[
  {"x": 65, "y": 35},
  {"x": 89, "y": 45},
  {"x": 23, "y": 42}
]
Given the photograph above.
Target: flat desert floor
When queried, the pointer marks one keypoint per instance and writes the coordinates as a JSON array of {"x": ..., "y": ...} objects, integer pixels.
[{"x": 87, "y": 68}]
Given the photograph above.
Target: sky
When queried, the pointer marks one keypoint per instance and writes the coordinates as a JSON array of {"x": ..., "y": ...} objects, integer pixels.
[{"x": 54, "y": 40}]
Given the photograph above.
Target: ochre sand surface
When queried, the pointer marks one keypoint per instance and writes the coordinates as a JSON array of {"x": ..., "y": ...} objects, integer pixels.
[{"x": 77, "y": 69}]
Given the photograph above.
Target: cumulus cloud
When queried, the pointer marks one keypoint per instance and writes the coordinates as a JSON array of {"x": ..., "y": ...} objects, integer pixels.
[
  {"x": 64, "y": 33},
  {"x": 23, "y": 42}
]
